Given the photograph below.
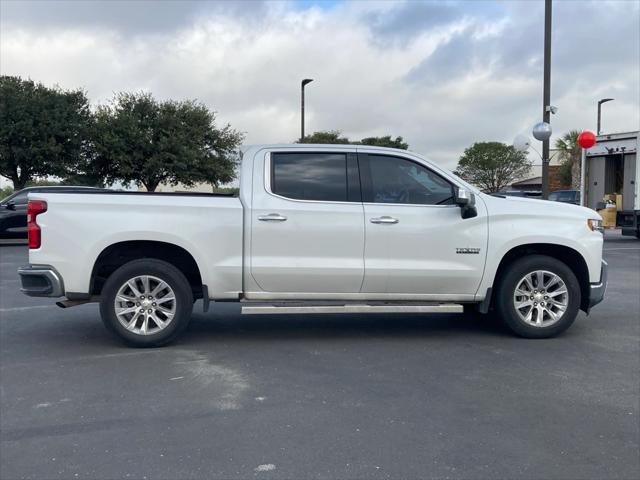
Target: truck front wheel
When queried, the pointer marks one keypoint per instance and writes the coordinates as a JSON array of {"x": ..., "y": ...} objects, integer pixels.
[
  {"x": 538, "y": 296},
  {"x": 146, "y": 302}
]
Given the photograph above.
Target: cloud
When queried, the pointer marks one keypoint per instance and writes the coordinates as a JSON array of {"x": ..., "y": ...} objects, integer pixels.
[
  {"x": 442, "y": 75},
  {"x": 135, "y": 17},
  {"x": 410, "y": 19}
]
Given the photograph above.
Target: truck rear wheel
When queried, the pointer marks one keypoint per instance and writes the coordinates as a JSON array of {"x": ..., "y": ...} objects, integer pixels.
[
  {"x": 146, "y": 303},
  {"x": 538, "y": 297}
]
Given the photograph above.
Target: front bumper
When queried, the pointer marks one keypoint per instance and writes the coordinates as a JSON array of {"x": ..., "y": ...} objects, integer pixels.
[
  {"x": 597, "y": 290},
  {"x": 41, "y": 281}
]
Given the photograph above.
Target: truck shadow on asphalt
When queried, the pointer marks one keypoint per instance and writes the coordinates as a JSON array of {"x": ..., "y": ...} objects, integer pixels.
[
  {"x": 84, "y": 329},
  {"x": 332, "y": 326}
]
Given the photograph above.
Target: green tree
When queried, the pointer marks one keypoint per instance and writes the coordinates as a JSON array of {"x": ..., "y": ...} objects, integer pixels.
[
  {"x": 569, "y": 152},
  {"x": 492, "y": 166},
  {"x": 335, "y": 137},
  {"x": 43, "y": 131},
  {"x": 140, "y": 139},
  {"x": 385, "y": 141},
  {"x": 325, "y": 137}
]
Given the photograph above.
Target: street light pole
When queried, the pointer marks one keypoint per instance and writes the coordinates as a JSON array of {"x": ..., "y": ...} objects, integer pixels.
[
  {"x": 302, "y": 85},
  {"x": 546, "y": 97},
  {"x": 600, "y": 102}
]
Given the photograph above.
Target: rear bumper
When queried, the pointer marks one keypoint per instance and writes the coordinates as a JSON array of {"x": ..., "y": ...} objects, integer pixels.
[
  {"x": 597, "y": 290},
  {"x": 41, "y": 281}
]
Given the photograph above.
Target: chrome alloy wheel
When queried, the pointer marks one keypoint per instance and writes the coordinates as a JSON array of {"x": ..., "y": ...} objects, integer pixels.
[
  {"x": 541, "y": 298},
  {"x": 145, "y": 305}
]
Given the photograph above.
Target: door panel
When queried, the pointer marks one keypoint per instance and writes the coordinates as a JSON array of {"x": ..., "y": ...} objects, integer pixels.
[
  {"x": 313, "y": 246},
  {"x": 416, "y": 240},
  {"x": 596, "y": 179},
  {"x": 418, "y": 254},
  {"x": 629, "y": 189}
]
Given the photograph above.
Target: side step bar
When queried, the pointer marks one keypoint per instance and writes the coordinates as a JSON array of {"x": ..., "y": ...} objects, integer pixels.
[{"x": 275, "y": 310}]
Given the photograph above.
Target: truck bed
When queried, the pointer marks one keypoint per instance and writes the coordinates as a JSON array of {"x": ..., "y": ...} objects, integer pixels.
[{"x": 78, "y": 227}]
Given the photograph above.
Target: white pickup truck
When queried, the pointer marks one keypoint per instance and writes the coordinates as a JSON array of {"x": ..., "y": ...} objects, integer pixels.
[{"x": 317, "y": 228}]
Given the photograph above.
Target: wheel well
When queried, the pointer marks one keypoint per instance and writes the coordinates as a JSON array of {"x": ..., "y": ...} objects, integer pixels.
[
  {"x": 566, "y": 255},
  {"x": 116, "y": 255}
]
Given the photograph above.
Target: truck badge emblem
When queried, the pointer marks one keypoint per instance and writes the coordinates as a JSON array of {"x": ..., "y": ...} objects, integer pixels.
[{"x": 468, "y": 250}]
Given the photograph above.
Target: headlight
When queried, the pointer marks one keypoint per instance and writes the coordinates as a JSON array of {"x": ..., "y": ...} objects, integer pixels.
[{"x": 595, "y": 225}]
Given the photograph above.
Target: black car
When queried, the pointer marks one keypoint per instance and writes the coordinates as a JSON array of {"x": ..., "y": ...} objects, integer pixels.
[
  {"x": 565, "y": 196},
  {"x": 13, "y": 209}
]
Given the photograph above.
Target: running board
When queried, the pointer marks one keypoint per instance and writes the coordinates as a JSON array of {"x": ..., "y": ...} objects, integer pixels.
[{"x": 274, "y": 309}]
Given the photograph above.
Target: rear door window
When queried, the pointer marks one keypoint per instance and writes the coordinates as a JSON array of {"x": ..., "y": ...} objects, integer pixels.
[{"x": 310, "y": 176}]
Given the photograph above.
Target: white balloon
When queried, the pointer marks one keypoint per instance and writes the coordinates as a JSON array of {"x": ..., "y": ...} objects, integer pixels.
[{"x": 521, "y": 143}]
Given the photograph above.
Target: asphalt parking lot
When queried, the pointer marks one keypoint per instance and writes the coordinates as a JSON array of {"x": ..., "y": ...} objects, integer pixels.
[{"x": 384, "y": 396}]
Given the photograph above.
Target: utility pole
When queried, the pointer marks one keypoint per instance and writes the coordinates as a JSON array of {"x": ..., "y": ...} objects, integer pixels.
[
  {"x": 546, "y": 97},
  {"x": 302, "y": 85}
]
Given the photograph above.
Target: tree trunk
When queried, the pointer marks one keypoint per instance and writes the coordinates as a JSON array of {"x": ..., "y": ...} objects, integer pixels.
[
  {"x": 151, "y": 185},
  {"x": 19, "y": 181}
]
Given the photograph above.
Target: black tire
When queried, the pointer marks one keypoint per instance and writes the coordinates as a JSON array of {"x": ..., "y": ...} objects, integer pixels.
[
  {"x": 164, "y": 271},
  {"x": 507, "y": 284}
]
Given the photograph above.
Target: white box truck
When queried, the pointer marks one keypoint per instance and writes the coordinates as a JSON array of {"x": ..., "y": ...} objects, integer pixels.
[{"x": 612, "y": 168}]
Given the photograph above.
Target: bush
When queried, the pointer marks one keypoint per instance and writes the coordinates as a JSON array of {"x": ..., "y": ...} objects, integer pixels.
[
  {"x": 228, "y": 190},
  {"x": 5, "y": 192},
  {"x": 42, "y": 183}
]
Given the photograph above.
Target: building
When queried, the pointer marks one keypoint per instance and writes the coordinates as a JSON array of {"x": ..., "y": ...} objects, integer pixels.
[
  {"x": 612, "y": 169},
  {"x": 533, "y": 180}
]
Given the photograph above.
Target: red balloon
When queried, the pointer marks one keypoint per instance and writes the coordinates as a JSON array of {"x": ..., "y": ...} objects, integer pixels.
[{"x": 587, "y": 139}]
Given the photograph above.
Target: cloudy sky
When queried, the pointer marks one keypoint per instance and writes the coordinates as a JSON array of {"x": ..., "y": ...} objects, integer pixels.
[{"x": 441, "y": 74}]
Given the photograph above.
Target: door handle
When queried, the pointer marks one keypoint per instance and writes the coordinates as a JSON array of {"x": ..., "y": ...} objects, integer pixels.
[
  {"x": 272, "y": 217},
  {"x": 384, "y": 219}
]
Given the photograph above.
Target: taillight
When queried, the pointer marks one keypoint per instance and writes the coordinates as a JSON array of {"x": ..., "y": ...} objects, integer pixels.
[{"x": 34, "y": 208}]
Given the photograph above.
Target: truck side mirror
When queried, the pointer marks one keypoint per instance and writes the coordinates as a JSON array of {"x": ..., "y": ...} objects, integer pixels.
[
  {"x": 10, "y": 206},
  {"x": 466, "y": 200}
]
